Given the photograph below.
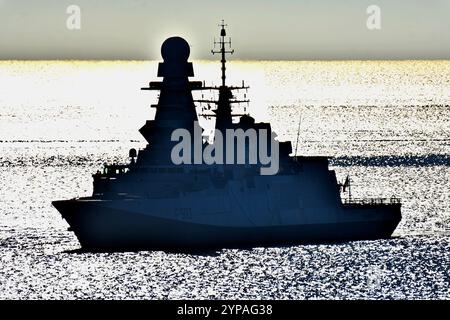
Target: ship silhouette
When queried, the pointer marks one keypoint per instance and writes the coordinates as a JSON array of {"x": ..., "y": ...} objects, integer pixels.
[{"x": 154, "y": 203}]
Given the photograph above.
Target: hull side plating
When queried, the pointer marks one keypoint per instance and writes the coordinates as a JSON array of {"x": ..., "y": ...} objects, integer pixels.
[{"x": 97, "y": 227}]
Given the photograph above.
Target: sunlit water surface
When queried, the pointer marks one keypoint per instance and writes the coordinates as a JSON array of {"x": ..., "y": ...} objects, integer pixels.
[{"x": 387, "y": 124}]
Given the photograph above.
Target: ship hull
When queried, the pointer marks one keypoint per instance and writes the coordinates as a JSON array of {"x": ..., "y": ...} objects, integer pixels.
[{"x": 100, "y": 228}]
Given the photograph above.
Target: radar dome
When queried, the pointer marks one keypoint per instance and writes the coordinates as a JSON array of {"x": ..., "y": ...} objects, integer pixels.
[{"x": 175, "y": 49}]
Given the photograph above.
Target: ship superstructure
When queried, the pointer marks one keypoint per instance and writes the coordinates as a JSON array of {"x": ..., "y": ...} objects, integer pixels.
[{"x": 157, "y": 202}]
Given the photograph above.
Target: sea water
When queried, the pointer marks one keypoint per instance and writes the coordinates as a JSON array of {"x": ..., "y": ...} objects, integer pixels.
[{"x": 386, "y": 124}]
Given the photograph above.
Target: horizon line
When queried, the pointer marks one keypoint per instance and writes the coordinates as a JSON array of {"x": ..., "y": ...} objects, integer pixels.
[{"x": 229, "y": 61}]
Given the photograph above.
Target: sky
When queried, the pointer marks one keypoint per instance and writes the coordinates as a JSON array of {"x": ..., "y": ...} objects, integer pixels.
[{"x": 260, "y": 29}]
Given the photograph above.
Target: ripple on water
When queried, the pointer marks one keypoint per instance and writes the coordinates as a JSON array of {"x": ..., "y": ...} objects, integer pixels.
[{"x": 42, "y": 265}]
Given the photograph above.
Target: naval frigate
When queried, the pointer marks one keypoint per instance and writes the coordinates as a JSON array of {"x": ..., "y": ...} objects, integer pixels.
[{"x": 154, "y": 202}]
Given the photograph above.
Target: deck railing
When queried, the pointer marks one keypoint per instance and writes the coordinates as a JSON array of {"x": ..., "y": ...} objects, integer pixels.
[{"x": 374, "y": 201}]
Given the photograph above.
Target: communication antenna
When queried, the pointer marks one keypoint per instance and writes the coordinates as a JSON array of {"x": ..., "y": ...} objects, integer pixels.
[
  {"x": 298, "y": 135},
  {"x": 349, "y": 190}
]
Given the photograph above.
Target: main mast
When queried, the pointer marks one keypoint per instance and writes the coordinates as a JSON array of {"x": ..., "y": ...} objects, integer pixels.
[
  {"x": 223, "y": 112},
  {"x": 222, "y": 43}
]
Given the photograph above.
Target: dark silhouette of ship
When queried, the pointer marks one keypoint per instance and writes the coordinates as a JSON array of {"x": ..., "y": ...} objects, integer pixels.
[{"x": 153, "y": 203}]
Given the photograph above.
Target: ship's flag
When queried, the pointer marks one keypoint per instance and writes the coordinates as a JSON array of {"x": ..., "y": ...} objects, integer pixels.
[{"x": 346, "y": 183}]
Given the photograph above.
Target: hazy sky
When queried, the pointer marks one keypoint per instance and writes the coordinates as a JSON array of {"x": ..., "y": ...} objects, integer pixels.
[{"x": 278, "y": 29}]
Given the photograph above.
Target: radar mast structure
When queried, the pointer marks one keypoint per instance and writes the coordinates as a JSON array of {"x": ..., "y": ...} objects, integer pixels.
[
  {"x": 223, "y": 112},
  {"x": 222, "y": 43}
]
